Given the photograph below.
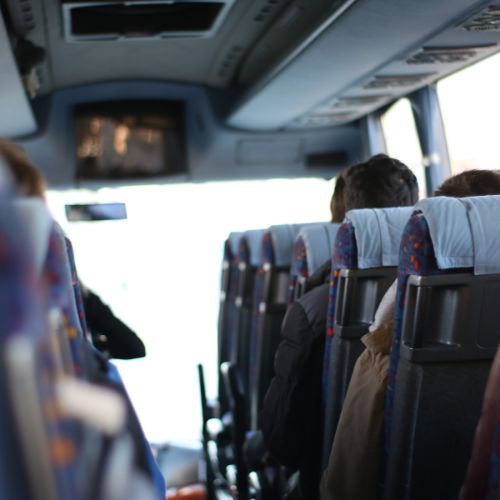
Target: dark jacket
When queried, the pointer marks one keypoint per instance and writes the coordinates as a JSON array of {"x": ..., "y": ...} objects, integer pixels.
[
  {"x": 292, "y": 416},
  {"x": 109, "y": 334}
]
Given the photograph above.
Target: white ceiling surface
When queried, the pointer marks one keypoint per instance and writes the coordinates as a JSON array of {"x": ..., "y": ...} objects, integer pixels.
[
  {"x": 371, "y": 32},
  {"x": 194, "y": 60},
  {"x": 16, "y": 118}
]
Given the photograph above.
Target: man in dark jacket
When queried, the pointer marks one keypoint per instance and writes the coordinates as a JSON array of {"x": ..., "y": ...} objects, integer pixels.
[
  {"x": 292, "y": 411},
  {"x": 110, "y": 334}
]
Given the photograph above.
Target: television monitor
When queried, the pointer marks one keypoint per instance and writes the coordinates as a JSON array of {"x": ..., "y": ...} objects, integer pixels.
[{"x": 130, "y": 139}]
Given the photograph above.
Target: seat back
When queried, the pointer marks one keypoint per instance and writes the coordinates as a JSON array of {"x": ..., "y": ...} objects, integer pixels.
[
  {"x": 247, "y": 264},
  {"x": 269, "y": 305},
  {"x": 363, "y": 267},
  {"x": 19, "y": 311},
  {"x": 228, "y": 293},
  {"x": 312, "y": 248},
  {"x": 446, "y": 331},
  {"x": 483, "y": 472},
  {"x": 227, "y": 308}
]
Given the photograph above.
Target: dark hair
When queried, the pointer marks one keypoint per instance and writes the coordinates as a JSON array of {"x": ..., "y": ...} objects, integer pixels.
[
  {"x": 380, "y": 182},
  {"x": 337, "y": 204},
  {"x": 28, "y": 179},
  {"x": 470, "y": 183}
]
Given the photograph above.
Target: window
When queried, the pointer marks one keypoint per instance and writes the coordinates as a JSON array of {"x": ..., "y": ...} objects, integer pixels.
[
  {"x": 470, "y": 106},
  {"x": 401, "y": 138},
  {"x": 159, "y": 270}
]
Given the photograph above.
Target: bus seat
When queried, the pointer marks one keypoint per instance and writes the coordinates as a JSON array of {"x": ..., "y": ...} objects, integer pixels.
[
  {"x": 18, "y": 313},
  {"x": 61, "y": 295},
  {"x": 239, "y": 298},
  {"x": 248, "y": 263},
  {"x": 228, "y": 292},
  {"x": 483, "y": 474},
  {"x": 77, "y": 290},
  {"x": 269, "y": 305},
  {"x": 364, "y": 263},
  {"x": 312, "y": 248},
  {"x": 226, "y": 308},
  {"x": 445, "y": 334}
]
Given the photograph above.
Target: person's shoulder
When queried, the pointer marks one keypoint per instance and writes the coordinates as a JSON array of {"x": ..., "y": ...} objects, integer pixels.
[{"x": 320, "y": 276}]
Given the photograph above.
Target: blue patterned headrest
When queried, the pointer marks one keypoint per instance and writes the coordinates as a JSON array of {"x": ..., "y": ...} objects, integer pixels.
[
  {"x": 234, "y": 240},
  {"x": 251, "y": 241},
  {"x": 283, "y": 238},
  {"x": 37, "y": 223},
  {"x": 318, "y": 240},
  {"x": 464, "y": 232},
  {"x": 378, "y": 234}
]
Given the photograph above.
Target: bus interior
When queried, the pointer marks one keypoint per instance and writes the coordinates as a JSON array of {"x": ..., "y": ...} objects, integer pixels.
[{"x": 190, "y": 150}]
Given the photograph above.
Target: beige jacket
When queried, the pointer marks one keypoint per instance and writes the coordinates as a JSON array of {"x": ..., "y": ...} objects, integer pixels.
[{"x": 353, "y": 470}]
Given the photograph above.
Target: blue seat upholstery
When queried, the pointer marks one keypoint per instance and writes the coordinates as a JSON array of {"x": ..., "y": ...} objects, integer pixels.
[
  {"x": 312, "y": 248},
  {"x": 248, "y": 259},
  {"x": 363, "y": 267},
  {"x": 54, "y": 436},
  {"x": 227, "y": 307},
  {"x": 445, "y": 334},
  {"x": 269, "y": 305},
  {"x": 18, "y": 312}
]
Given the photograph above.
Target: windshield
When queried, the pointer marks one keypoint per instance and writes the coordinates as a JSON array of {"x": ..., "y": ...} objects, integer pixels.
[{"x": 159, "y": 270}]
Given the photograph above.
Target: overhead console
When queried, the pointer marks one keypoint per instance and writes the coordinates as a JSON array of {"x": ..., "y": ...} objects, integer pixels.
[
  {"x": 123, "y": 19},
  {"x": 370, "y": 53}
]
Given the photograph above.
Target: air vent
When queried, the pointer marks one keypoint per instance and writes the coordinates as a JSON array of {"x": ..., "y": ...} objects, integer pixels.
[
  {"x": 447, "y": 55},
  {"x": 22, "y": 16},
  {"x": 230, "y": 61},
  {"x": 487, "y": 20},
  {"x": 143, "y": 19},
  {"x": 364, "y": 100},
  {"x": 266, "y": 11},
  {"x": 397, "y": 81}
]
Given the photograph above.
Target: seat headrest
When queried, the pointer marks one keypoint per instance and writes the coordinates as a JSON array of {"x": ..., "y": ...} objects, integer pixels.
[
  {"x": 35, "y": 217},
  {"x": 234, "y": 240},
  {"x": 464, "y": 232},
  {"x": 318, "y": 240},
  {"x": 378, "y": 234},
  {"x": 283, "y": 238},
  {"x": 253, "y": 239}
]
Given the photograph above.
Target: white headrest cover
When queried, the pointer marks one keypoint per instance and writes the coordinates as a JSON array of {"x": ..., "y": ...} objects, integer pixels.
[
  {"x": 378, "y": 234},
  {"x": 318, "y": 241},
  {"x": 465, "y": 231}
]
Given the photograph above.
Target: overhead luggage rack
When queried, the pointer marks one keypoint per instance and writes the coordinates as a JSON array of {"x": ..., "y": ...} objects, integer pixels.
[{"x": 139, "y": 19}]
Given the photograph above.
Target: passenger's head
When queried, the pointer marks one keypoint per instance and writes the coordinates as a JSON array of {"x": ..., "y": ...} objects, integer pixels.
[
  {"x": 470, "y": 183},
  {"x": 28, "y": 180},
  {"x": 379, "y": 182},
  {"x": 337, "y": 204}
]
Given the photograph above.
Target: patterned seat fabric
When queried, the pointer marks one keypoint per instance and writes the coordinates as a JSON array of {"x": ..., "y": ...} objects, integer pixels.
[
  {"x": 267, "y": 257},
  {"x": 416, "y": 257},
  {"x": 345, "y": 256},
  {"x": 77, "y": 290},
  {"x": 62, "y": 295},
  {"x": 312, "y": 249}
]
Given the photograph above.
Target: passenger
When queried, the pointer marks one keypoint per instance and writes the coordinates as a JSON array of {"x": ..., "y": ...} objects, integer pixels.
[
  {"x": 354, "y": 466},
  {"x": 108, "y": 333},
  {"x": 30, "y": 183},
  {"x": 291, "y": 415}
]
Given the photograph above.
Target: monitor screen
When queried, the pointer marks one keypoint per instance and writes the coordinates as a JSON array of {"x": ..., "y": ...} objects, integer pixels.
[{"x": 130, "y": 139}]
